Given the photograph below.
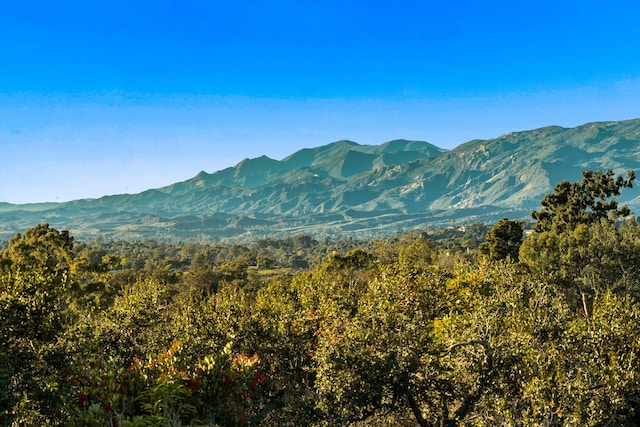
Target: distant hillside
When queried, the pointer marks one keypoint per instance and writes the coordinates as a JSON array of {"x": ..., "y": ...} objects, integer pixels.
[{"x": 345, "y": 187}]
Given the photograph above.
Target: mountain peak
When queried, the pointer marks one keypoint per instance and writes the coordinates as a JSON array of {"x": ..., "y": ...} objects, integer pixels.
[
  {"x": 344, "y": 142},
  {"x": 397, "y": 145},
  {"x": 261, "y": 161},
  {"x": 344, "y": 187}
]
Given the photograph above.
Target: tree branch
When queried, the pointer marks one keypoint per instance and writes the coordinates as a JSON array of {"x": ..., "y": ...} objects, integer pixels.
[
  {"x": 473, "y": 398},
  {"x": 417, "y": 413}
]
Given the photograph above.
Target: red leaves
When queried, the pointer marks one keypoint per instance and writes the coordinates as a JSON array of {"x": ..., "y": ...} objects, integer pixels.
[
  {"x": 258, "y": 379},
  {"x": 219, "y": 384}
]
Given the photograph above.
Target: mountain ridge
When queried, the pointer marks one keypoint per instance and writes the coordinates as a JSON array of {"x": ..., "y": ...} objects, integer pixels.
[{"x": 345, "y": 187}]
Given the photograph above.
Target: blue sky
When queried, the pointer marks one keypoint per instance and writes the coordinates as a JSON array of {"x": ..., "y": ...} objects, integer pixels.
[{"x": 106, "y": 97}]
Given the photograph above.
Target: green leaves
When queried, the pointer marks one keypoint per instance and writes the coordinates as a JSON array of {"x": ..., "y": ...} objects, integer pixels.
[
  {"x": 400, "y": 338},
  {"x": 583, "y": 202},
  {"x": 503, "y": 240},
  {"x": 170, "y": 388},
  {"x": 34, "y": 276},
  {"x": 368, "y": 363},
  {"x": 587, "y": 260}
]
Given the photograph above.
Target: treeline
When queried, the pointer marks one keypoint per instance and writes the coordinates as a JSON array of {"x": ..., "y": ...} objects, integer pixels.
[{"x": 470, "y": 326}]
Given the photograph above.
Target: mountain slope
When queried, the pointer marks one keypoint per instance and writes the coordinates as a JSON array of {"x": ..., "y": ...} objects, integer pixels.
[{"x": 348, "y": 187}]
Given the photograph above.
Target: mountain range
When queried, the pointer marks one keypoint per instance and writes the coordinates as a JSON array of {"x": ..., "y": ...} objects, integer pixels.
[{"x": 345, "y": 188}]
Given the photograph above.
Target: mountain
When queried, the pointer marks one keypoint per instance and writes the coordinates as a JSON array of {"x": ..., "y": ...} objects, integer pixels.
[{"x": 344, "y": 188}]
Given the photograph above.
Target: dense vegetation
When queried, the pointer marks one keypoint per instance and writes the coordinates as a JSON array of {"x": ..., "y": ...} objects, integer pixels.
[{"x": 456, "y": 327}]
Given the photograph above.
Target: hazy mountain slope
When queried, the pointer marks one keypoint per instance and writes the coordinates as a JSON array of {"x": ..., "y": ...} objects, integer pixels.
[
  {"x": 345, "y": 186},
  {"x": 510, "y": 172},
  {"x": 334, "y": 159}
]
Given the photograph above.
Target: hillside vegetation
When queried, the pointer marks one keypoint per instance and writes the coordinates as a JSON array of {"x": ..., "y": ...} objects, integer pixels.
[
  {"x": 344, "y": 189},
  {"x": 452, "y": 327}
]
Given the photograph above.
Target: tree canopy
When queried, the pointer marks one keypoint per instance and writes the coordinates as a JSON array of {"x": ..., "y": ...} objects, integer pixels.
[
  {"x": 503, "y": 240},
  {"x": 584, "y": 202},
  {"x": 406, "y": 331}
]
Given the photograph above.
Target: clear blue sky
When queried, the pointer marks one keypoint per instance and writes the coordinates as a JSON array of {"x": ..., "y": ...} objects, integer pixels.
[{"x": 108, "y": 96}]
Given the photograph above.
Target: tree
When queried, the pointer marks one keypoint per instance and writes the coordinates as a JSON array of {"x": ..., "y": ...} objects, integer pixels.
[
  {"x": 35, "y": 274},
  {"x": 503, "y": 240},
  {"x": 551, "y": 365},
  {"x": 173, "y": 387},
  {"x": 578, "y": 244},
  {"x": 588, "y": 260},
  {"x": 378, "y": 360},
  {"x": 42, "y": 249},
  {"x": 420, "y": 253},
  {"x": 474, "y": 235},
  {"x": 585, "y": 202},
  {"x": 137, "y": 322}
]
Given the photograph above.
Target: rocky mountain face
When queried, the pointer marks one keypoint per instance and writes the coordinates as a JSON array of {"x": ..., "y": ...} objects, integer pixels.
[{"x": 344, "y": 188}]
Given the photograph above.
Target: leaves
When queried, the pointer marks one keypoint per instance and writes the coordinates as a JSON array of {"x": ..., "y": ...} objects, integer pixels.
[
  {"x": 585, "y": 202},
  {"x": 503, "y": 240},
  {"x": 398, "y": 336}
]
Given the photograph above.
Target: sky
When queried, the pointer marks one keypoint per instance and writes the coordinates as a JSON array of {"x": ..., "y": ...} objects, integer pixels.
[{"x": 117, "y": 96}]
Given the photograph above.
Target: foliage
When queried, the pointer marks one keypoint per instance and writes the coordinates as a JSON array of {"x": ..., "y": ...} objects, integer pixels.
[
  {"x": 36, "y": 273},
  {"x": 403, "y": 331},
  {"x": 136, "y": 321},
  {"x": 419, "y": 253},
  {"x": 580, "y": 243},
  {"x": 589, "y": 259},
  {"x": 170, "y": 388},
  {"x": 380, "y": 358},
  {"x": 503, "y": 240},
  {"x": 585, "y": 202}
]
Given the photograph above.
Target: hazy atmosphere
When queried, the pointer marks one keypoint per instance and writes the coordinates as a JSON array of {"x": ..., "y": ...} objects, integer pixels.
[
  {"x": 117, "y": 97},
  {"x": 319, "y": 213}
]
